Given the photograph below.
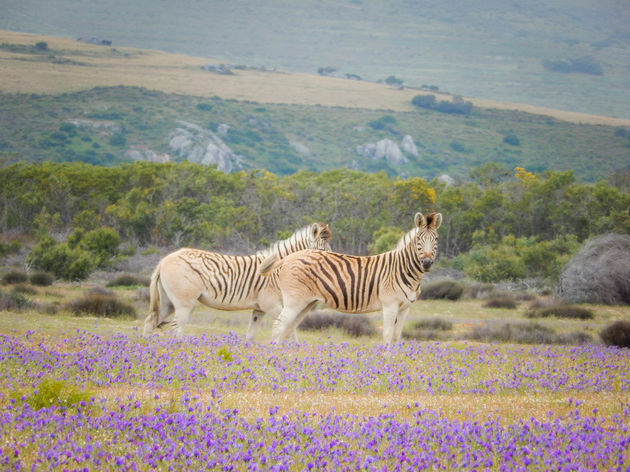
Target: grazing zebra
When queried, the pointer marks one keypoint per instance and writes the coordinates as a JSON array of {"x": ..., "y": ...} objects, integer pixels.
[
  {"x": 356, "y": 284},
  {"x": 223, "y": 282}
]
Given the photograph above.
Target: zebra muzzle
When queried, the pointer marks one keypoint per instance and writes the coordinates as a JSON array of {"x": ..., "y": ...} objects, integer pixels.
[{"x": 427, "y": 262}]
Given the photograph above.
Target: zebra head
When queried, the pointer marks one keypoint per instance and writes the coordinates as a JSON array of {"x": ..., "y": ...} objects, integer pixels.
[
  {"x": 320, "y": 234},
  {"x": 427, "y": 238}
]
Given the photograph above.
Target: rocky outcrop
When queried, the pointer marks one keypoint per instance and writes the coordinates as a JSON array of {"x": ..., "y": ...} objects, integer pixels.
[
  {"x": 383, "y": 149},
  {"x": 389, "y": 150},
  {"x": 409, "y": 146},
  {"x": 202, "y": 146},
  {"x": 300, "y": 148}
]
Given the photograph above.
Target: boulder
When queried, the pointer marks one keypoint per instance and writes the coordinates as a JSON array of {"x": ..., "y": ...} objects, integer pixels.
[
  {"x": 202, "y": 146},
  {"x": 409, "y": 146},
  {"x": 385, "y": 148}
]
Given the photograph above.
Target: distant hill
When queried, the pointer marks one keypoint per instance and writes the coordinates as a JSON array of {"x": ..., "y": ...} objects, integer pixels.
[
  {"x": 65, "y": 100},
  {"x": 562, "y": 54}
]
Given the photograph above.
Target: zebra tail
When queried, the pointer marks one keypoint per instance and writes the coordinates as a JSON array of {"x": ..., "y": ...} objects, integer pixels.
[
  {"x": 269, "y": 265},
  {"x": 151, "y": 321}
]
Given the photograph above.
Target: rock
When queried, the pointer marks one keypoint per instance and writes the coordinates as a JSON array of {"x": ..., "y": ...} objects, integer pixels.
[
  {"x": 409, "y": 146},
  {"x": 385, "y": 148},
  {"x": 223, "y": 129},
  {"x": 300, "y": 148},
  {"x": 201, "y": 146}
]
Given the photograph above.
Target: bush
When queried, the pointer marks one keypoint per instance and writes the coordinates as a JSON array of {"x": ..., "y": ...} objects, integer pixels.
[
  {"x": 500, "y": 302},
  {"x": 353, "y": 325},
  {"x": 24, "y": 289},
  {"x": 128, "y": 280},
  {"x": 479, "y": 290},
  {"x": 61, "y": 260},
  {"x": 13, "y": 301},
  {"x": 442, "y": 289},
  {"x": 14, "y": 277},
  {"x": 41, "y": 279},
  {"x": 428, "y": 329},
  {"x": 524, "y": 333},
  {"x": 616, "y": 334},
  {"x": 106, "y": 306},
  {"x": 561, "y": 310},
  {"x": 584, "y": 65},
  {"x": 512, "y": 140},
  {"x": 599, "y": 272}
]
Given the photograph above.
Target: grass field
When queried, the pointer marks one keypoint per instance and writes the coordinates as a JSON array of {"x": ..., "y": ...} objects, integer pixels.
[
  {"x": 87, "y": 392},
  {"x": 70, "y": 66}
]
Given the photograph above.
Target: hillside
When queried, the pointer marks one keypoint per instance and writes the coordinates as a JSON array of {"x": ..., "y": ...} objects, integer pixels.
[
  {"x": 66, "y": 103},
  {"x": 489, "y": 49}
]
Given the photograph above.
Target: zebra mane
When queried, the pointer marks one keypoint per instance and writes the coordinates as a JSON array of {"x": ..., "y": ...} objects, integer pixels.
[
  {"x": 407, "y": 238},
  {"x": 300, "y": 239}
]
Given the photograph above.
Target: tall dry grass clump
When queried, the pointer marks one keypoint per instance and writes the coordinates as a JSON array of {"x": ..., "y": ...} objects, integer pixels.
[{"x": 354, "y": 325}]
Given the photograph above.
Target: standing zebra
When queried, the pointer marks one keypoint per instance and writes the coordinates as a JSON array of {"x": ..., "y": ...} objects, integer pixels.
[
  {"x": 223, "y": 282},
  {"x": 356, "y": 284}
]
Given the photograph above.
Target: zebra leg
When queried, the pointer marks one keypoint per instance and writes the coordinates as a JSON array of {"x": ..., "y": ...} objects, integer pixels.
[
  {"x": 400, "y": 322},
  {"x": 182, "y": 313},
  {"x": 254, "y": 324},
  {"x": 288, "y": 320},
  {"x": 390, "y": 316}
]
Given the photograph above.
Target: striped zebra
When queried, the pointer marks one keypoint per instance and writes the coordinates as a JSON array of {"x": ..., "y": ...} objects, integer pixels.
[
  {"x": 187, "y": 276},
  {"x": 356, "y": 284}
]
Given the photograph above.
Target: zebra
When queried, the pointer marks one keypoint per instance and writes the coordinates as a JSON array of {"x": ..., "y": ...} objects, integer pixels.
[
  {"x": 223, "y": 282},
  {"x": 356, "y": 284}
]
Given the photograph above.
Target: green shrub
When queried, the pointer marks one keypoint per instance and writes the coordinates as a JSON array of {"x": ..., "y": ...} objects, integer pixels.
[
  {"x": 61, "y": 260},
  {"x": 102, "y": 243},
  {"x": 56, "y": 393},
  {"x": 512, "y": 140},
  {"x": 105, "y": 306},
  {"x": 445, "y": 289},
  {"x": 225, "y": 354},
  {"x": 14, "y": 277},
  {"x": 13, "y": 301},
  {"x": 616, "y": 334},
  {"x": 128, "y": 280},
  {"x": 41, "y": 279}
]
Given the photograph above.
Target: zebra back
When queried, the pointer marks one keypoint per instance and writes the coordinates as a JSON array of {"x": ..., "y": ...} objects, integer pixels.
[{"x": 313, "y": 236}]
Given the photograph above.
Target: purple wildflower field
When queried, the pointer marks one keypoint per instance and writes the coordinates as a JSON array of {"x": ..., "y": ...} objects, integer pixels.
[{"x": 84, "y": 401}]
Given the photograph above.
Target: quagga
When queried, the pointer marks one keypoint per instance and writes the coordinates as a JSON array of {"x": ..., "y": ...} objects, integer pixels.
[
  {"x": 356, "y": 284},
  {"x": 223, "y": 282}
]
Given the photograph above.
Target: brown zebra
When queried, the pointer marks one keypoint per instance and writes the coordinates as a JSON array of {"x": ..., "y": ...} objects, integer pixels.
[
  {"x": 356, "y": 284},
  {"x": 187, "y": 276}
]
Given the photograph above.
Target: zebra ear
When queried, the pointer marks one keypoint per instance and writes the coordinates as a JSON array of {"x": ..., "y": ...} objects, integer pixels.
[
  {"x": 435, "y": 220},
  {"x": 315, "y": 230},
  {"x": 419, "y": 220}
]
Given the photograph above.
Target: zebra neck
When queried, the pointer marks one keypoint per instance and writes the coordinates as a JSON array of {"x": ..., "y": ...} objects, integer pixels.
[
  {"x": 408, "y": 266},
  {"x": 283, "y": 248}
]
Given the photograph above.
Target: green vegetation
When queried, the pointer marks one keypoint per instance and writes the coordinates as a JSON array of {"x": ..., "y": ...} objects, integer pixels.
[
  {"x": 103, "y": 125},
  {"x": 493, "y": 229}
]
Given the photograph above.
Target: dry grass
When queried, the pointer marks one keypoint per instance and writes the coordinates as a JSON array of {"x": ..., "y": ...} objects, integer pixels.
[{"x": 173, "y": 73}]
